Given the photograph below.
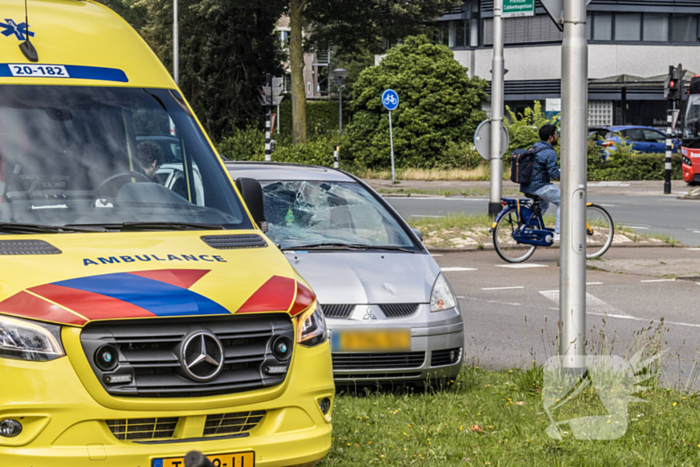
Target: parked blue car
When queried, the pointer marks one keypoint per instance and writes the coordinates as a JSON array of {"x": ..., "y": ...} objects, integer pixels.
[{"x": 644, "y": 139}]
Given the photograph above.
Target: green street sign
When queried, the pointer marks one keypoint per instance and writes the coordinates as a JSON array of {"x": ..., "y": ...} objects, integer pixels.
[{"x": 515, "y": 8}]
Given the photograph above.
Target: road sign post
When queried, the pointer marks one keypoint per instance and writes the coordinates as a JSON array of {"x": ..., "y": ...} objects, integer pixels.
[
  {"x": 497, "y": 109},
  {"x": 390, "y": 101},
  {"x": 673, "y": 91},
  {"x": 572, "y": 251},
  {"x": 482, "y": 140},
  {"x": 271, "y": 95}
]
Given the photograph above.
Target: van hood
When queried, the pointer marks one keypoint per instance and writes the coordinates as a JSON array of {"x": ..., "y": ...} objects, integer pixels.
[
  {"x": 77, "y": 278},
  {"x": 352, "y": 277}
]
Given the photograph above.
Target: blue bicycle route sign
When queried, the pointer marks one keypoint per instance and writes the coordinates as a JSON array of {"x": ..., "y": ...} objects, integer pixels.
[{"x": 390, "y": 99}]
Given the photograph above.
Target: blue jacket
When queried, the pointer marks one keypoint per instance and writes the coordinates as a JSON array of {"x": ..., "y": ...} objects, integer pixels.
[{"x": 544, "y": 170}]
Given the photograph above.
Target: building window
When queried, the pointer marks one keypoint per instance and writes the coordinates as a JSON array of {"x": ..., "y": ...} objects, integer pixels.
[
  {"x": 589, "y": 27},
  {"x": 628, "y": 27},
  {"x": 463, "y": 32},
  {"x": 684, "y": 29},
  {"x": 460, "y": 33},
  {"x": 655, "y": 27},
  {"x": 602, "y": 27}
]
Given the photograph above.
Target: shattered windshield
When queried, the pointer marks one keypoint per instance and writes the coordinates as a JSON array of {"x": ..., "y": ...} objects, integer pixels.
[
  {"x": 99, "y": 156},
  {"x": 692, "y": 118},
  {"x": 317, "y": 213}
]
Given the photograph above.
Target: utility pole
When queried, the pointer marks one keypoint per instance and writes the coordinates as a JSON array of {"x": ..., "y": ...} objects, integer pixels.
[
  {"x": 497, "y": 108},
  {"x": 176, "y": 46},
  {"x": 572, "y": 252}
]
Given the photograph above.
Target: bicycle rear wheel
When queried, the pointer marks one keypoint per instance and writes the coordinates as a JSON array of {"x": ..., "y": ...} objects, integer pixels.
[
  {"x": 507, "y": 248},
  {"x": 600, "y": 231}
]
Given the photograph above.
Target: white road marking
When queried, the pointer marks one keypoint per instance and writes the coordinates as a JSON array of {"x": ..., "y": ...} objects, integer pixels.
[
  {"x": 609, "y": 205},
  {"x": 696, "y": 231},
  {"x": 503, "y": 303},
  {"x": 659, "y": 280},
  {"x": 522, "y": 266},
  {"x": 502, "y": 288},
  {"x": 636, "y": 227},
  {"x": 458, "y": 269},
  {"x": 593, "y": 304},
  {"x": 434, "y": 255},
  {"x": 594, "y": 283},
  {"x": 624, "y": 184}
]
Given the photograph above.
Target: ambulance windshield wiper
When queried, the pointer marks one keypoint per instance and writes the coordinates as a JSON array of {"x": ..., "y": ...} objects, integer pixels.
[
  {"x": 159, "y": 226},
  {"x": 15, "y": 228},
  {"x": 347, "y": 246}
]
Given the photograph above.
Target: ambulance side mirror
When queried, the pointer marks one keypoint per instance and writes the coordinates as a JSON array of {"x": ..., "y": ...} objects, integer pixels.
[{"x": 252, "y": 194}]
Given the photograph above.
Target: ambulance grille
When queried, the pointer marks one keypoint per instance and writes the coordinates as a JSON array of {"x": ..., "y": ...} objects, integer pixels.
[
  {"x": 142, "y": 428},
  {"x": 150, "y": 354},
  {"x": 237, "y": 422},
  {"x": 27, "y": 247},
  {"x": 234, "y": 242}
]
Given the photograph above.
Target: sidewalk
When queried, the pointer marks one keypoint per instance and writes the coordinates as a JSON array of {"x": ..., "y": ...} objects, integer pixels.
[{"x": 480, "y": 188}]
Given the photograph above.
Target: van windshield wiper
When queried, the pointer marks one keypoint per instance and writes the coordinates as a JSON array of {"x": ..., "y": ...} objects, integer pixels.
[
  {"x": 158, "y": 226},
  {"x": 347, "y": 246},
  {"x": 11, "y": 227}
]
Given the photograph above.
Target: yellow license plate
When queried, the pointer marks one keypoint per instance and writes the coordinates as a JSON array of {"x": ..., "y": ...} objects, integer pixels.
[
  {"x": 239, "y": 459},
  {"x": 386, "y": 339}
]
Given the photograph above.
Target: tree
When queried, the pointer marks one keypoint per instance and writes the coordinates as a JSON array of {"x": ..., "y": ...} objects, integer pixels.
[
  {"x": 226, "y": 48},
  {"x": 350, "y": 26},
  {"x": 439, "y": 104}
]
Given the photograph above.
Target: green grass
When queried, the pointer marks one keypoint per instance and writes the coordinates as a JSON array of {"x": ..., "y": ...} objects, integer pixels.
[
  {"x": 496, "y": 418},
  {"x": 460, "y": 221}
]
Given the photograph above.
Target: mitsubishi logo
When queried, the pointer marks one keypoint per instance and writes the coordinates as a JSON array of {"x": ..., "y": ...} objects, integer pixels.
[{"x": 202, "y": 356}]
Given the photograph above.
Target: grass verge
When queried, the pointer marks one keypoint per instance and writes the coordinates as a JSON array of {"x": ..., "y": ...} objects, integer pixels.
[
  {"x": 481, "y": 172},
  {"x": 496, "y": 418},
  {"x": 507, "y": 192}
]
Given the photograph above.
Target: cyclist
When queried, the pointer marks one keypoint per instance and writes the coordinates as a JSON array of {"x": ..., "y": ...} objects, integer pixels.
[{"x": 544, "y": 170}]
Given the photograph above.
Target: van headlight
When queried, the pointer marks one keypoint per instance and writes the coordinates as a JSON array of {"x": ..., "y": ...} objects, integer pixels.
[
  {"x": 442, "y": 298},
  {"x": 312, "y": 327},
  {"x": 29, "y": 340}
]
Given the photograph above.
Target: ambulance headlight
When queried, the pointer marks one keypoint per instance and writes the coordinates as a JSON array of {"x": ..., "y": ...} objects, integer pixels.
[
  {"x": 29, "y": 340},
  {"x": 312, "y": 327}
]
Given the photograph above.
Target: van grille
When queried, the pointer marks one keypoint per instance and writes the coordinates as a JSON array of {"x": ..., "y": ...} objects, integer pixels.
[
  {"x": 368, "y": 361},
  {"x": 399, "y": 310},
  {"x": 337, "y": 311},
  {"x": 150, "y": 353},
  {"x": 445, "y": 357},
  {"x": 374, "y": 376},
  {"x": 238, "y": 422},
  {"x": 143, "y": 428}
]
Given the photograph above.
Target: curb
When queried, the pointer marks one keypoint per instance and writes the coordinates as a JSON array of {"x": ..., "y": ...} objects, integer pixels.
[
  {"x": 491, "y": 248},
  {"x": 689, "y": 278},
  {"x": 689, "y": 198}
]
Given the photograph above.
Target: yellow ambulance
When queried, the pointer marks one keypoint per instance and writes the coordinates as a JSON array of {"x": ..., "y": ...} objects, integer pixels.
[{"x": 143, "y": 312}]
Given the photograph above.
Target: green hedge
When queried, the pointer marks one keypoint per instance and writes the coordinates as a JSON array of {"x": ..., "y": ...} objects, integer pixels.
[
  {"x": 625, "y": 164},
  {"x": 321, "y": 117}
]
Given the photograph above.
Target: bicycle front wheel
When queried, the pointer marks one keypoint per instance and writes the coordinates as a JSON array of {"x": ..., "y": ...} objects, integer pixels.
[
  {"x": 504, "y": 243},
  {"x": 600, "y": 231}
]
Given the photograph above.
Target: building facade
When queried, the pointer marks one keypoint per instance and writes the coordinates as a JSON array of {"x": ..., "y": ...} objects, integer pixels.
[{"x": 632, "y": 43}]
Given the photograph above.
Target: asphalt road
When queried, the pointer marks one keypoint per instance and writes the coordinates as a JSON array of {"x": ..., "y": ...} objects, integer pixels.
[
  {"x": 511, "y": 313},
  {"x": 644, "y": 214}
]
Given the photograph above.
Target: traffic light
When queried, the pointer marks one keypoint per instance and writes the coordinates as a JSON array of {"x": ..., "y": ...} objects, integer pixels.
[{"x": 673, "y": 86}]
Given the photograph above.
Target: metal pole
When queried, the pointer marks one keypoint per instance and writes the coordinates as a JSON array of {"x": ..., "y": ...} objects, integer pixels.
[
  {"x": 572, "y": 275},
  {"x": 497, "y": 108},
  {"x": 278, "y": 119},
  {"x": 176, "y": 46},
  {"x": 669, "y": 147},
  {"x": 340, "y": 117},
  {"x": 391, "y": 140},
  {"x": 268, "y": 123},
  {"x": 336, "y": 157}
]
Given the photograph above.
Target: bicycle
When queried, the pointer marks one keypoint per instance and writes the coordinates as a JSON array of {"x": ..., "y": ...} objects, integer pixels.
[{"x": 519, "y": 228}]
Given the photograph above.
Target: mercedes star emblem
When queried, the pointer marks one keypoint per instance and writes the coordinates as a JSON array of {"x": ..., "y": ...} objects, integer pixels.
[{"x": 202, "y": 356}]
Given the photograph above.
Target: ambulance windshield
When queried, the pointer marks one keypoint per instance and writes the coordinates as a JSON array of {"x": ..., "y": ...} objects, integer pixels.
[{"x": 91, "y": 156}]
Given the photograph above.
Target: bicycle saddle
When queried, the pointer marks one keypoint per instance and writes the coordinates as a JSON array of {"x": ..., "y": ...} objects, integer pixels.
[{"x": 532, "y": 197}]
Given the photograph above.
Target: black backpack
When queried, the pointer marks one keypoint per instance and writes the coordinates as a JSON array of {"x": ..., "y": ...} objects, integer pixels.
[{"x": 522, "y": 162}]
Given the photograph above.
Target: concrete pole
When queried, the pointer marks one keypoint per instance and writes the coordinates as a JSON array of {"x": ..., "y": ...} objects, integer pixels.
[
  {"x": 176, "y": 46},
  {"x": 497, "y": 108},
  {"x": 340, "y": 117},
  {"x": 572, "y": 252}
]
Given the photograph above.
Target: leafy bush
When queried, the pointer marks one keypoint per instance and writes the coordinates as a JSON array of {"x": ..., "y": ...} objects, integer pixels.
[
  {"x": 624, "y": 163},
  {"x": 439, "y": 104},
  {"x": 462, "y": 156},
  {"x": 249, "y": 145},
  {"x": 321, "y": 117},
  {"x": 524, "y": 128}
]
